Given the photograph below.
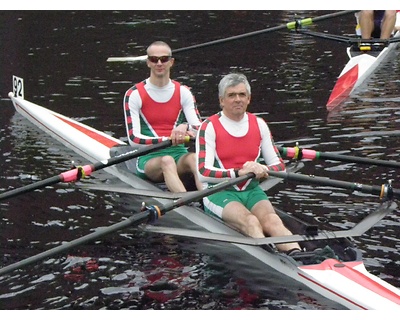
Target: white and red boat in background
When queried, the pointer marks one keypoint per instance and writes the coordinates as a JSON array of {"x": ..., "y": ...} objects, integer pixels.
[{"x": 365, "y": 58}]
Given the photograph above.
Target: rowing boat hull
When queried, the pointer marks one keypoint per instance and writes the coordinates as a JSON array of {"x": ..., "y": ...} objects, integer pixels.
[
  {"x": 96, "y": 146},
  {"x": 356, "y": 71}
]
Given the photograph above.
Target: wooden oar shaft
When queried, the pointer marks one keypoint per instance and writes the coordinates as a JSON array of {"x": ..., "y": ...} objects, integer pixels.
[
  {"x": 151, "y": 214},
  {"x": 76, "y": 173},
  {"x": 300, "y": 153},
  {"x": 384, "y": 191}
]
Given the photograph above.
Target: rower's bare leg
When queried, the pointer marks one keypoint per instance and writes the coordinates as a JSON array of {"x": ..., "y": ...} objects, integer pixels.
[
  {"x": 164, "y": 169},
  {"x": 388, "y": 22},
  {"x": 366, "y": 19},
  {"x": 272, "y": 224},
  {"x": 187, "y": 164},
  {"x": 237, "y": 216}
]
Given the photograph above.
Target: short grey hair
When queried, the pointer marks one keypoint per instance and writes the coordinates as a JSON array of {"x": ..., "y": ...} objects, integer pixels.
[{"x": 232, "y": 80}]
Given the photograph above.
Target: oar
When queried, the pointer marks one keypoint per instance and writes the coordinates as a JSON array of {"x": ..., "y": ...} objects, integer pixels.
[
  {"x": 358, "y": 230},
  {"x": 333, "y": 37},
  {"x": 384, "y": 191},
  {"x": 82, "y": 171},
  {"x": 265, "y": 185},
  {"x": 297, "y": 153},
  {"x": 137, "y": 192},
  {"x": 290, "y": 26},
  {"x": 348, "y": 40},
  {"x": 151, "y": 214}
]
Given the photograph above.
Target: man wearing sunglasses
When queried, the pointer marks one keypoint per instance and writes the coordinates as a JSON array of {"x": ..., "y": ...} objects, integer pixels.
[{"x": 158, "y": 109}]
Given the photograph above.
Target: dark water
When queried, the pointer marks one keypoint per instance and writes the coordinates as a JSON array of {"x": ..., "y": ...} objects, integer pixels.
[{"x": 62, "y": 57}]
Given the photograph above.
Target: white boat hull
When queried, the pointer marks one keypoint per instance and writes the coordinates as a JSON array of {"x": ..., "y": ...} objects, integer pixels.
[{"x": 95, "y": 146}]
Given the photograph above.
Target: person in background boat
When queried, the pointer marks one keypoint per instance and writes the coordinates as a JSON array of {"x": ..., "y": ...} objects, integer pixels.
[
  {"x": 377, "y": 23},
  {"x": 397, "y": 24},
  {"x": 230, "y": 144},
  {"x": 158, "y": 109}
]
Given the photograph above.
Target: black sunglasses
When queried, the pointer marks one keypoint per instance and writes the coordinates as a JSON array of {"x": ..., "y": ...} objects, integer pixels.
[{"x": 155, "y": 59}]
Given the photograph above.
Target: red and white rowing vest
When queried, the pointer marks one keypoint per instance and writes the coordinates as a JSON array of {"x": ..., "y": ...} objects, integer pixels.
[
  {"x": 160, "y": 116},
  {"x": 233, "y": 152}
]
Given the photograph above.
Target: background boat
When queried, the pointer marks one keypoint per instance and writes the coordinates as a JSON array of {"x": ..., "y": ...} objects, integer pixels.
[{"x": 363, "y": 62}]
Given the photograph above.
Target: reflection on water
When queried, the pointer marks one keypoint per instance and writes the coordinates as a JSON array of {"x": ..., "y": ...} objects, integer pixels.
[{"x": 63, "y": 61}]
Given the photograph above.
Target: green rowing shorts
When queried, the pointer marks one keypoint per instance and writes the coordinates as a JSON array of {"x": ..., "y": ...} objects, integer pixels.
[
  {"x": 215, "y": 203},
  {"x": 175, "y": 152}
]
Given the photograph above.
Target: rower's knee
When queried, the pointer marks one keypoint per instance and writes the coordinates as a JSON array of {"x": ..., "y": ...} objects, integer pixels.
[
  {"x": 253, "y": 226},
  {"x": 274, "y": 226},
  {"x": 168, "y": 164}
]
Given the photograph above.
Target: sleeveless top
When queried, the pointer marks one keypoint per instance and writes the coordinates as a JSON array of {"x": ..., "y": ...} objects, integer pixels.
[
  {"x": 227, "y": 146},
  {"x": 159, "y": 118}
]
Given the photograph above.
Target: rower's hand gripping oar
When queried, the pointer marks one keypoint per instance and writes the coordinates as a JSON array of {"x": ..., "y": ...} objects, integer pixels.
[
  {"x": 291, "y": 25},
  {"x": 82, "y": 171},
  {"x": 151, "y": 214},
  {"x": 297, "y": 153}
]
